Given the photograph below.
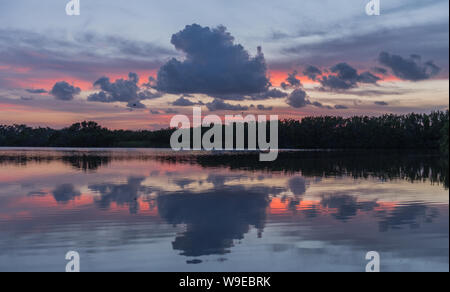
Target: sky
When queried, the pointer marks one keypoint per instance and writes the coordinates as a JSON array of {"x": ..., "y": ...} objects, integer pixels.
[{"x": 135, "y": 64}]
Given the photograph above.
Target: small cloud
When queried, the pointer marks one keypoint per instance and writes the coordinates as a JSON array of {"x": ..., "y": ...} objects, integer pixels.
[
  {"x": 272, "y": 93},
  {"x": 340, "y": 107},
  {"x": 382, "y": 103},
  {"x": 170, "y": 111},
  {"x": 183, "y": 102},
  {"x": 298, "y": 99},
  {"x": 64, "y": 91},
  {"x": 218, "y": 104},
  {"x": 292, "y": 79},
  {"x": 122, "y": 90},
  {"x": 346, "y": 77},
  {"x": 411, "y": 68},
  {"x": 380, "y": 70},
  {"x": 312, "y": 72},
  {"x": 367, "y": 77},
  {"x": 36, "y": 91},
  {"x": 261, "y": 107}
]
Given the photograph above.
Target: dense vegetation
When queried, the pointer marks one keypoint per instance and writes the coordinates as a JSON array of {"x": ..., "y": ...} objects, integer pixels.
[{"x": 412, "y": 131}]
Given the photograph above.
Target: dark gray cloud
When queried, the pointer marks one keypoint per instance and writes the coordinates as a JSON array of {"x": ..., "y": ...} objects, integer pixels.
[
  {"x": 411, "y": 68},
  {"x": 292, "y": 79},
  {"x": 380, "y": 70},
  {"x": 312, "y": 72},
  {"x": 382, "y": 103},
  {"x": 36, "y": 91},
  {"x": 183, "y": 102},
  {"x": 262, "y": 107},
  {"x": 298, "y": 98},
  {"x": 345, "y": 72},
  {"x": 229, "y": 96},
  {"x": 213, "y": 64},
  {"x": 272, "y": 93},
  {"x": 339, "y": 107},
  {"x": 320, "y": 105},
  {"x": 217, "y": 105},
  {"x": 367, "y": 77},
  {"x": 346, "y": 77},
  {"x": 170, "y": 111},
  {"x": 64, "y": 91},
  {"x": 428, "y": 39},
  {"x": 335, "y": 83},
  {"x": 122, "y": 90}
]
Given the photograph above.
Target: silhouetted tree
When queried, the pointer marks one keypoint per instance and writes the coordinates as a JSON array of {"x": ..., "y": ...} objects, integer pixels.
[{"x": 411, "y": 131}]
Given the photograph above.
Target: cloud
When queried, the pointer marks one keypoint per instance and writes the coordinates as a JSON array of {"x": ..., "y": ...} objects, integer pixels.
[
  {"x": 339, "y": 107},
  {"x": 36, "y": 91},
  {"x": 320, "y": 105},
  {"x": 293, "y": 80},
  {"x": 170, "y": 111},
  {"x": 298, "y": 99},
  {"x": 229, "y": 96},
  {"x": 122, "y": 90},
  {"x": 64, "y": 91},
  {"x": 312, "y": 72},
  {"x": 80, "y": 56},
  {"x": 411, "y": 68},
  {"x": 166, "y": 111},
  {"x": 183, "y": 102},
  {"x": 218, "y": 104},
  {"x": 213, "y": 64},
  {"x": 382, "y": 103},
  {"x": 272, "y": 93},
  {"x": 335, "y": 83},
  {"x": 262, "y": 107},
  {"x": 346, "y": 77},
  {"x": 380, "y": 70},
  {"x": 367, "y": 77}
]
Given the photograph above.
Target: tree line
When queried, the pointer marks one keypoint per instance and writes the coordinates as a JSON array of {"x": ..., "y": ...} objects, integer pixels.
[{"x": 411, "y": 131}]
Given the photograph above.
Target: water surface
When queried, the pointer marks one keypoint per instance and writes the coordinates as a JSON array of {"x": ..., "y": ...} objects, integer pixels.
[{"x": 156, "y": 210}]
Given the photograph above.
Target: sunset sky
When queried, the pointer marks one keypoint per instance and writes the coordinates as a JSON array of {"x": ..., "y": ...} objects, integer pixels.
[{"x": 134, "y": 64}]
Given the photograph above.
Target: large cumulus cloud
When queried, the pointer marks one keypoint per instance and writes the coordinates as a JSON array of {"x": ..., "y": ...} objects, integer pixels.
[
  {"x": 122, "y": 90},
  {"x": 412, "y": 68},
  {"x": 214, "y": 64}
]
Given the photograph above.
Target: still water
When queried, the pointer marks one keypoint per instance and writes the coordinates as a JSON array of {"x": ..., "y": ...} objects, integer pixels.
[{"x": 156, "y": 210}]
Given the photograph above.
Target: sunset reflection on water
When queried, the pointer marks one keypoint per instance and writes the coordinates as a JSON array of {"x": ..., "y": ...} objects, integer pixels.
[{"x": 151, "y": 210}]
